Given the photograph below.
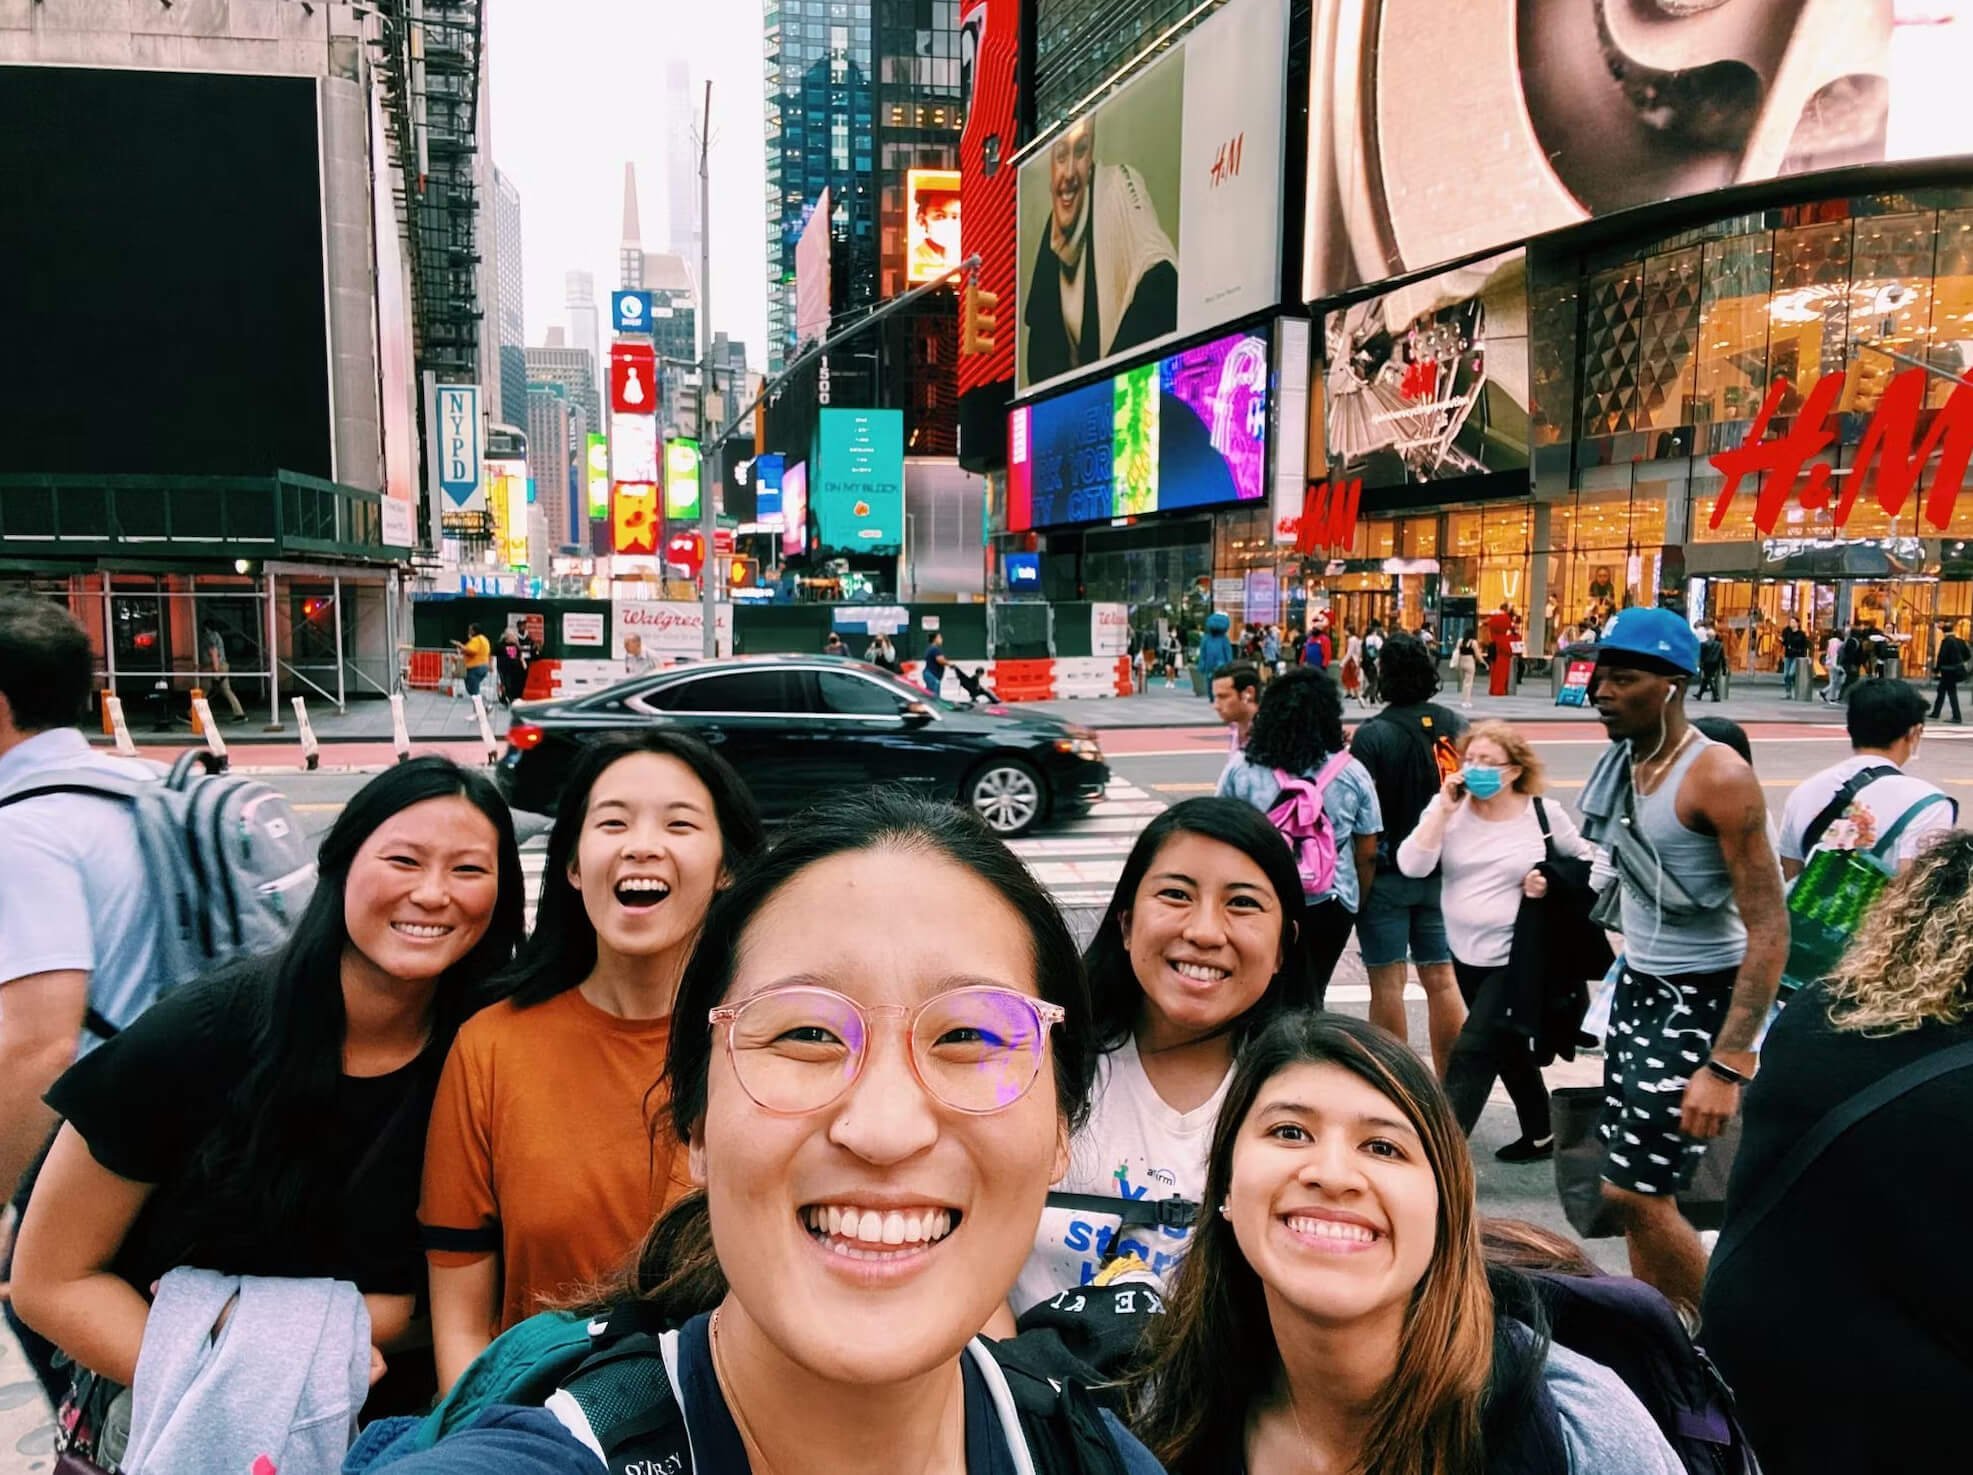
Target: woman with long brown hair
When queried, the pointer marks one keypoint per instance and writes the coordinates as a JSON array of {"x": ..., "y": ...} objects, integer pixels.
[
  {"x": 1852, "y": 1176},
  {"x": 1334, "y": 1311}
]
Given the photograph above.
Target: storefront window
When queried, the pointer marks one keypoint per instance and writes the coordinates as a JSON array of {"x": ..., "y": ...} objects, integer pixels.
[
  {"x": 1462, "y": 535},
  {"x": 1421, "y": 537},
  {"x": 1733, "y": 328}
]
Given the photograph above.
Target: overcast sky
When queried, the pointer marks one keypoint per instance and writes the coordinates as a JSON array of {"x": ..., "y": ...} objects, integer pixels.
[{"x": 577, "y": 90}]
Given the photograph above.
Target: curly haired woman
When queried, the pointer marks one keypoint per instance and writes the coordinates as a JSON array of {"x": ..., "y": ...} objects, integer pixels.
[{"x": 1840, "y": 1316}]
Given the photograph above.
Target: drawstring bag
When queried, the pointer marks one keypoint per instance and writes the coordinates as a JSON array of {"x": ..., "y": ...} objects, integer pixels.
[{"x": 1303, "y": 822}]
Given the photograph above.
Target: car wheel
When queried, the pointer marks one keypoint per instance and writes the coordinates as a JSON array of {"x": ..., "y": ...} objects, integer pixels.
[{"x": 1007, "y": 794}]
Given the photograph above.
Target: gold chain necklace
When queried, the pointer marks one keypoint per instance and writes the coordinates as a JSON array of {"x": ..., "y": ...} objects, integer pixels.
[
  {"x": 1637, "y": 782},
  {"x": 747, "y": 1435}
]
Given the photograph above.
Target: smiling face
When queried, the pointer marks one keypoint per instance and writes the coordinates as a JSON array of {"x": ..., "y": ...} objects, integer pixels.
[
  {"x": 649, "y": 857},
  {"x": 1205, "y": 936},
  {"x": 1071, "y": 163},
  {"x": 421, "y": 889},
  {"x": 870, "y": 1239},
  {"x": 1332, "y": 1199}
]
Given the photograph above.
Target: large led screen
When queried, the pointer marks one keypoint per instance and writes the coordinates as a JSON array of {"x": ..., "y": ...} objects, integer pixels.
[
  {"x": 1157, "y": 214},
  {"x": 794, "y": 511},
  {"x": 1430, "y": 382},
  {"x": 1188, "y": 430},
  {"x": 161, "y": 274},
  {"x": 858, "y": 491},
  {"x": 1438, "y": 130}
]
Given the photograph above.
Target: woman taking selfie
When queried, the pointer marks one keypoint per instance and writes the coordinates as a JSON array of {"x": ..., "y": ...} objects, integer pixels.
[
  {"x": 270, "y": 1120},
  {"x": 1334, "y": 1313},
  {"x": 1195, "y": 953},
  {"x": 875, "y": 1114},
  {"x": 1298, "y": 732},
  {"x": 542, "y": 1171},
  {"x": 1485, "y": 832}
]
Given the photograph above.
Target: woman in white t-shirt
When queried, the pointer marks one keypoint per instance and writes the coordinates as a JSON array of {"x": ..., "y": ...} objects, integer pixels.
[
  {"x": 1483, "y": 833},
  {"x": 1196, "y": 952}
]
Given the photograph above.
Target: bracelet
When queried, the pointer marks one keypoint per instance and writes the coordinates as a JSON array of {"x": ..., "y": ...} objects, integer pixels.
[{"x": 1728, "y": 1073}]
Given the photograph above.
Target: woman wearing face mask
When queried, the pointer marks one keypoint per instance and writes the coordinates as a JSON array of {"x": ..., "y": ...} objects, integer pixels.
[
  {"x": 1299, "y": 731},
  {"x": 1196, "y": 952},
  {"x": 270, "y": 1120},
  {"x": 1335, "y": 1312},
  {"x": 1486, "y": 831},
  {"x": 542, "y": 1171},
  {"x": 875, "y": 1115}
]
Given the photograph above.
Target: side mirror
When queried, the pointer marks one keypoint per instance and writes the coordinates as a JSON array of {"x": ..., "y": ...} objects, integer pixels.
[{"x": 917, "y": 713}]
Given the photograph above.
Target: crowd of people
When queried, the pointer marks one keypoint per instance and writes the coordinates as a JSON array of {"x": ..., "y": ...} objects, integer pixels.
[{"x": 717, "y": 1167}]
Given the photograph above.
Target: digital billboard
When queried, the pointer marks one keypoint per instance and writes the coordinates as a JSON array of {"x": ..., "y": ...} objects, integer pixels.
[
  {"x": 794, "y": 511},
  {"x": 812, "y": 275},
  {"x": 1430, "y": 381},
  {"x": 989, "y": 87},
  {"x": 634, "y": 517},
  {"x": 630, "y": 311},
  {"x": 1157, "y": 214},
  {"x": 597, "y": 475},
  {"x": 767, "y": 491},
  {"x": 1592, "y": 107},
  {"x": 633, "y": 379},
  {"x": 507, "y": 495},
  {"x": 857, "y": 487},
  {"x": 682, "y": 480},
  {"x": 1187, "y": 430},
  {"x": 634, "y": 447},
  {"x": 931, "y": 223}
]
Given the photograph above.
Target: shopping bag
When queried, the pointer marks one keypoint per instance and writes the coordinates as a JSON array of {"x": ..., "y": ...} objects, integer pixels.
[{"x": 1576, "y": 1112}]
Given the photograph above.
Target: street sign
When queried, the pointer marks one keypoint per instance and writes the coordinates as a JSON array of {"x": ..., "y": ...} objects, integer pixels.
[{"x": 459, "y": 446}]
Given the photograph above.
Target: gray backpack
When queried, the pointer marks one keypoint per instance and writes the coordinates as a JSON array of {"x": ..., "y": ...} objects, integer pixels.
[{"x": 226, "y": 856}]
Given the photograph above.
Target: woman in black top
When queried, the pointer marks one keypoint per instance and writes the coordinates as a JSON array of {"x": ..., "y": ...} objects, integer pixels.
[
  {"x": 1844, "y": 1317},
  {"x": 270, "y": 1119}
]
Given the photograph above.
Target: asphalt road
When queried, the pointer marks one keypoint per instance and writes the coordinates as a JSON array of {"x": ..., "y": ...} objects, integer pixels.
[{"x": 1154, "y": 768}]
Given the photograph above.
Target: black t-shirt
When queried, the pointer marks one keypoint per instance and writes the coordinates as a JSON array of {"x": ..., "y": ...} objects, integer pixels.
[
  {"x": 1845, "y": 1325},
  {"x": 147, "y": 1100},
  {"x": 1396, "y": 746}
]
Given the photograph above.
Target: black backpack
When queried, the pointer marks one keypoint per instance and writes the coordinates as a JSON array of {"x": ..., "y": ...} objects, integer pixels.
[
  {"x": 625, "y": 1392},
  {"x": 1632, "y": 1330}
]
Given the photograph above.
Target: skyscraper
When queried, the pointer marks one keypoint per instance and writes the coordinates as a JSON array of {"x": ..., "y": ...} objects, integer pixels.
[
  {"x": 630, "y": 247},
  {"x": 553, "y": 437},
  {"x": 570, "y": 366},
  {"x": 585, "y": 321},
  {"x": 684, "y": 120},
  {"x": 1079, "y": 43},
  {"x": 509, "y": 405}
]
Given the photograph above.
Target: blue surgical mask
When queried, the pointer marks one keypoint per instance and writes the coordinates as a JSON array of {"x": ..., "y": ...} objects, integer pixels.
[{"x": 1483, "y": 780}]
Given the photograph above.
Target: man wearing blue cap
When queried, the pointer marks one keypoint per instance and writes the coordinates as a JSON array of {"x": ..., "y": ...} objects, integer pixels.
[{"x": 1705, "y": 936}]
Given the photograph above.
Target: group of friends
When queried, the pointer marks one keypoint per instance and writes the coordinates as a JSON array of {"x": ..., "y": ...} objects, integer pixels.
[{"x": 820, "y": 1192}]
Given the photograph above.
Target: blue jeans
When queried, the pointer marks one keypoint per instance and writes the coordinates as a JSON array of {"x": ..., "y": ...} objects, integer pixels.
[
  {"x": 1788, "y": 664},
  {"x": 475, "y": 679}
]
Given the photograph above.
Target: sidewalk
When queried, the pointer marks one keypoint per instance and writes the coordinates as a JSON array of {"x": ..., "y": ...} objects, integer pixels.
[{"x": 433, "y": 717}]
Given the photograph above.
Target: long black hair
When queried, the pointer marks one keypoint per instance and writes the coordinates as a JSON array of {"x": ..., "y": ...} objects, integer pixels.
[
  {"x": 1300, "y": 721},
  {"x": 677, "y": 1270},
  {"x": 270, "y": 1157},
  {"x": 1114, "y": 990},
  {"x": 561, "y": 951}
]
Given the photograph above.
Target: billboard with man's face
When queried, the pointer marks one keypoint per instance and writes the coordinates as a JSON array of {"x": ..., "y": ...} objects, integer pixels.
[
  {"x": 931, "y": 223},
  {"x": 1158, "y": 212}
]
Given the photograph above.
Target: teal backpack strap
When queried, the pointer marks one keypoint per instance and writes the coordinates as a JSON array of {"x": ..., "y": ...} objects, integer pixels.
[{"x": 1886, "y": 848}]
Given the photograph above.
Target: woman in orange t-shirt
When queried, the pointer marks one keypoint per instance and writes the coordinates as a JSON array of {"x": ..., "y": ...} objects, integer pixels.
[{"x": 542, "y": 1168}]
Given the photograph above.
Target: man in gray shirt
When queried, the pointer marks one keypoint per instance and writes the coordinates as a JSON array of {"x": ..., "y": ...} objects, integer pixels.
[{"x": 1705, "y": 936}]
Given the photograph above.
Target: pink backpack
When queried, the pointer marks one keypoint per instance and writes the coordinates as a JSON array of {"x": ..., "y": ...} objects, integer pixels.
[{"x": 1303, "y": 822}]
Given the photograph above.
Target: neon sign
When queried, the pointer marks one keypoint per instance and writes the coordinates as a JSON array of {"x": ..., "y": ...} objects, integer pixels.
[{"x": 1891, "y": 446}]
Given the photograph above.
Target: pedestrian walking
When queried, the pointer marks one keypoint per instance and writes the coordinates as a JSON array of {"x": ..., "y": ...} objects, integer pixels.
[
  {"x": 1487, "y": 832},
  {"x": 934, "y": 663},
  {"x": 1705, "y": 936},
  {"x": 512, "y": 666},
  {"x": 1712, "y": 664},
  {"x": 1373, "y": 650},
  {"x": 1271, "y": 650},
  {"x": 1215, "y": 648},
  {"x": 213, "y": 646},
  {"x": 1832, "y": 665},
  {"x": 1500, "y": 650},
  {"x": 1296, "y": 748},
  {"x": 514, "y": 1210},
  {"x": 1466, "y": 662},
  {"x": 1336, "y": 1314},
  {"x": 1852, "y": 804},
  {"x": 1195, "y": 953},
  {"x": 1352, "y": 672},
  {"x": 476, "y": 658},
  {"x": 1409, "y": 751},
  {"x": 1950, "y": 665},
  {"x": 269, "y": 1120},
  {"x": 1236, "y": 698},
  {"x": 637, "y": 661},
  {"x": 80, "y": 922},
  {"x": 1794, "y": 650},
  {"x": 881, "y": 653},
  {"x": 874, "y": 1145},
  {"x": 1845, "y": 1052},
  {"x": 1852, "y": 656},
  {"x": 835, "y": 645}
]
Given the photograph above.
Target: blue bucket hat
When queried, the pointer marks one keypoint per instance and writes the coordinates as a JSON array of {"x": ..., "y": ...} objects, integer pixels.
[{"x": 1659, "y": 635}]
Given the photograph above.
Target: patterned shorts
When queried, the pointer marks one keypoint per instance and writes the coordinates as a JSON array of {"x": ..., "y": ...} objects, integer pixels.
[{"x": 1661, "y": 1030}]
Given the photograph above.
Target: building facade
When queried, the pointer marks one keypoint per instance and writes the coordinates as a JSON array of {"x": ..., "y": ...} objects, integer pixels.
[
  {"x": 585, "y": 318},
  {"x": 509, "y": 302},
  {"x": 571, "y": 367},
  {"x": 555, "y": 430}
]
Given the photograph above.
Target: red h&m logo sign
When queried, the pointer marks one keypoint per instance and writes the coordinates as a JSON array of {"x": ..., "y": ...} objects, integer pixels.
[
  {"x": 1891, "y": 449},
  {"x": 1328, "y": 520}
]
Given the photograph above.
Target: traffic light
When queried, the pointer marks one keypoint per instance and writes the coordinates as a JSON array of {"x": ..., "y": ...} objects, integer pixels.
[{"x": 977, "y": 318}]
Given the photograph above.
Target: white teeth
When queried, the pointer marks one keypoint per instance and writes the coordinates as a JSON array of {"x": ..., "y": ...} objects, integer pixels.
[
  {"x": 1331, "y": 1229},
  {"x": 1201, "y": 972},
  {"x": 913, "y": 1227},
  {"x": 893, "y": 1229},
  {"x": 835, "y": 1224},
  {"x": 868, "y": 1226},
  {"x": 420, "y": 929}
]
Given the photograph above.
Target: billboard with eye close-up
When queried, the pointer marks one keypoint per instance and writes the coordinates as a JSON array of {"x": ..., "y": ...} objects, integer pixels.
[
  {"x": 1438, "y": 130},
  {"x": 1157, "y": 213}
]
